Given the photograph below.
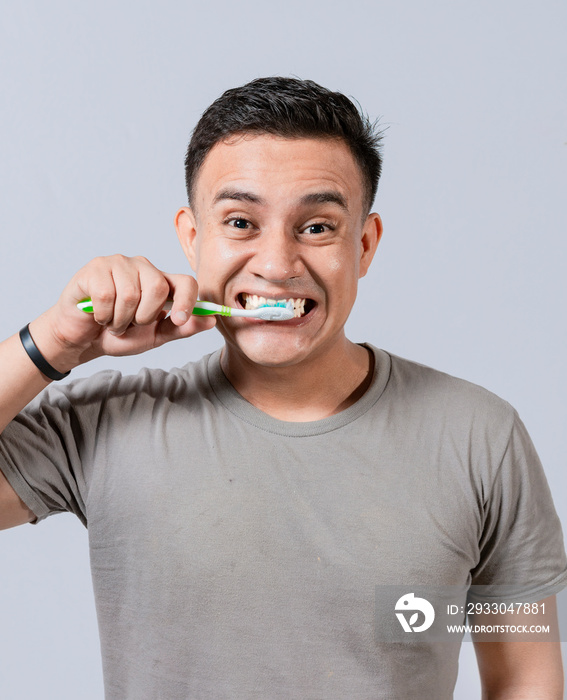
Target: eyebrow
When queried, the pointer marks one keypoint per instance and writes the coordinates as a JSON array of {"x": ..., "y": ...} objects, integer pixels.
[
  {"x": 328, "y": 196},
  {"x": 238, "y": 195}
]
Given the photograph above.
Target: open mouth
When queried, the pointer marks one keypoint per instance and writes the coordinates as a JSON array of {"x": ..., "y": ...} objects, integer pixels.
[{"x": 301, "y": 306}]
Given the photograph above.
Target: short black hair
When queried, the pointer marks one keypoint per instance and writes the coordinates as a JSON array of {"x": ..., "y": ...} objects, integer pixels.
[{"x": 291, "y": 108}]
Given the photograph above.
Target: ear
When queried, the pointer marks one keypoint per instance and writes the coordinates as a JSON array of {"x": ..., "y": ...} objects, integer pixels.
[
  {"x": 371, "y": 235},
  {"x": 186, "y": 227}
]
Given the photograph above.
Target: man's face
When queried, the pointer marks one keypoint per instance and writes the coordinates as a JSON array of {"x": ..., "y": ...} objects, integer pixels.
[{"x": 278, "y": 218}]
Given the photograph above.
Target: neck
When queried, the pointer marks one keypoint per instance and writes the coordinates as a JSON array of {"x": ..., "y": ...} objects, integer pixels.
[{"x": 313, "y": 389}]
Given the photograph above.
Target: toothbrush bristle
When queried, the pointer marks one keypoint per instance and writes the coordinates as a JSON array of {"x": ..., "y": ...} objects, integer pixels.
[
  {"x": 279, "y": 304},
  {"x": 282, "y": 304},
  {"x": 280, "y": 311}
]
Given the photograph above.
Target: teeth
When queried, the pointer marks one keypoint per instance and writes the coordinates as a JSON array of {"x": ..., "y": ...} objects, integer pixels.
[{"x": 253, "y": 301}]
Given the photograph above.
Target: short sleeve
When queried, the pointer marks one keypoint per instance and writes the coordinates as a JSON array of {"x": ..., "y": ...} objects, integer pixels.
[
  {"x": 43, "y": 451},
  {"x": 521, "y": 549}
]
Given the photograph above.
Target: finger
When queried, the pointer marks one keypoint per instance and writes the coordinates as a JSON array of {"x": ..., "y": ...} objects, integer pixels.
[
  {"x": 167, "y": 330},
  {"x": 128, "y": 293},
  {"x": 99, "y": 285},
  {"x": 184, "y": 290},
  {"x": 154, "y": 293}
]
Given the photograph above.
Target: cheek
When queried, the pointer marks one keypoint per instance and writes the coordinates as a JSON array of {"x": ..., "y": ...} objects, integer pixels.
[
  {"x": 224, "y": 253},
  {"x": 335, "y": 265},
  {"x": 212, "y": 253},
  {"x": 343, "y": 271},
  {"x": 218, "y": 261},
  {"x": 222, "y": 250}
]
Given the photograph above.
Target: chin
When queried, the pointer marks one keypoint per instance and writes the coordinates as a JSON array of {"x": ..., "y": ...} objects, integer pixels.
[{"x": 271, "y": 352}]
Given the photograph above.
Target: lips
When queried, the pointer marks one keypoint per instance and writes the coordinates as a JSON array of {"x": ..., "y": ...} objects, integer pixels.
[{"x": 301, "y": 305}]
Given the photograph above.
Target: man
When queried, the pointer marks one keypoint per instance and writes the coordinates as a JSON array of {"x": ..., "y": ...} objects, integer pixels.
[{"x": 243, "y": 510}]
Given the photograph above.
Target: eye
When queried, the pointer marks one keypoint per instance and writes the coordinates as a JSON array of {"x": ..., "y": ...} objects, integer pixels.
[
  {"x": 315, "y": 229},
  {"x": 239, "y": 223}
]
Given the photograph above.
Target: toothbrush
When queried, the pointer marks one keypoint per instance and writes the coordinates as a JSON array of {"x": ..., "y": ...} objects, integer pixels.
[{"x": 281, "y": 311}]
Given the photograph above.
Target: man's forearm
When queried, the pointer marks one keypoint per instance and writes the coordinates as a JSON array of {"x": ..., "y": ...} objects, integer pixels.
[{"x": 20, "y": 380}]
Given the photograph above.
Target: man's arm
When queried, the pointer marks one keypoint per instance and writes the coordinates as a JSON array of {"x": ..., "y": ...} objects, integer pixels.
[
  {"x": 128, "y": 296},
  {"x": 520, "y": 670},
  {"x": 13, "y": 511},
  {"x": 20, "y": 382}
]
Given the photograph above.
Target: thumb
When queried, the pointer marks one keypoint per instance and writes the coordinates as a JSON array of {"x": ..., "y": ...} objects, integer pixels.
[{"x": 167, "y": 330}]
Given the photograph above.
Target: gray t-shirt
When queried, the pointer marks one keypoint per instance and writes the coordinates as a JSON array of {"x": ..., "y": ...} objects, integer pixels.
[{"x": 235, "y": 555}]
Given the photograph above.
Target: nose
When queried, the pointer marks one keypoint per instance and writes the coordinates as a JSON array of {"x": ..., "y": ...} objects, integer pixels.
[{"x": 276, "y": 256}]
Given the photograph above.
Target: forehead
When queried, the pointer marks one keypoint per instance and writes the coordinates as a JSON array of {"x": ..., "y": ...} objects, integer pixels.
[{"x": 279, "y": 169}]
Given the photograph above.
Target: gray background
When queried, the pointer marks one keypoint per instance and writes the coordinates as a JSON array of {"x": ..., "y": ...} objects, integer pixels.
[{"x": 98, "y": 100}]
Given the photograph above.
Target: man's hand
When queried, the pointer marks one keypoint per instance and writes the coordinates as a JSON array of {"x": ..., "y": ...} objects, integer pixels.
[{"x": 128, "y": 295}]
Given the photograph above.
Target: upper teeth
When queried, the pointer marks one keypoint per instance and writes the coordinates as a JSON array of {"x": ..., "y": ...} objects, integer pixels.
[{"x": 253, "y": 301}]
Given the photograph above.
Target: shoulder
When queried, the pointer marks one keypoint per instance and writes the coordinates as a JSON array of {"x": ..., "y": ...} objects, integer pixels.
[
  {"x": 432, "y": 384},
  {"x": 113, "y": 386},
  {"x": 441, "y": 396}
]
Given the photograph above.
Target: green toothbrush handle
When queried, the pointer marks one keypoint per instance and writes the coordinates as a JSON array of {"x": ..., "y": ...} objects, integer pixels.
[
  {"x": 208, "y": 308},
  {"x": 201, "y": 308}
]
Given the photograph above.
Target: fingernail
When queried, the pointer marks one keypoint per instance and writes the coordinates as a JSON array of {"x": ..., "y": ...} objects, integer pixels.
[{"x": 181, "y": 316}]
